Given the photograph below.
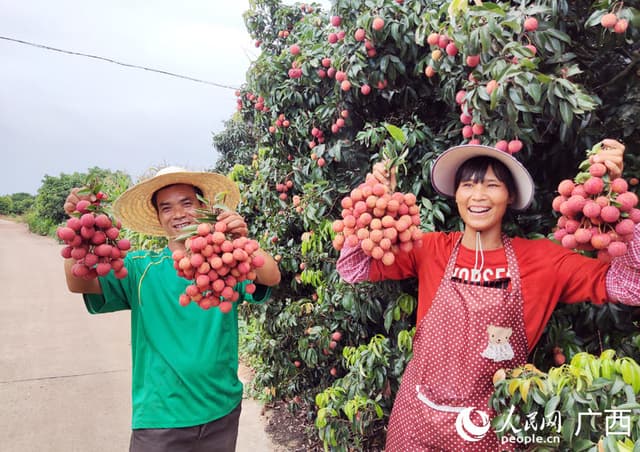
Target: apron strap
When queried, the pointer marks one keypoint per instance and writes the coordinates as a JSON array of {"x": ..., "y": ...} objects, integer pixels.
[{"x": 512, "y": 263}]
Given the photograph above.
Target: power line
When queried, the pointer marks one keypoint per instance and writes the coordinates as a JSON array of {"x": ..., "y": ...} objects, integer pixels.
[{"x": 109, "y": 60}]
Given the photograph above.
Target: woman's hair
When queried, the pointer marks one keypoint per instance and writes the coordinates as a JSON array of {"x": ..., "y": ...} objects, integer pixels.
[{"x": 475, "y": 169}]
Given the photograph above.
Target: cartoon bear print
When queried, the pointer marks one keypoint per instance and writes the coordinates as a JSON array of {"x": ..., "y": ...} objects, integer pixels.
[{"x": 498, "y": 348}]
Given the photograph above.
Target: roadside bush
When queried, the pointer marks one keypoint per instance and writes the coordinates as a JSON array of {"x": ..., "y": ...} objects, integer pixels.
[
  {"x": 22, "y": 202},
  {"x": 40, "y": 225},
  {"x": 6, "y": 205}
]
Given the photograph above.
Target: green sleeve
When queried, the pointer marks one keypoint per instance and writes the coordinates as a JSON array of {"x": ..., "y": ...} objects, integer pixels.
[
  {"x": 115, "y": 296},
  {"x": 261, "y": 294}
]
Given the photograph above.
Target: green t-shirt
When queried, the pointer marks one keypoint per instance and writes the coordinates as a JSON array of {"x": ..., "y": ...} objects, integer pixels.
[{"x": 185, "y": 359}]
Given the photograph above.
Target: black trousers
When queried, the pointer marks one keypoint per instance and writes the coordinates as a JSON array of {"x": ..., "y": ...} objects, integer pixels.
[{"x": 215, "y": 436}]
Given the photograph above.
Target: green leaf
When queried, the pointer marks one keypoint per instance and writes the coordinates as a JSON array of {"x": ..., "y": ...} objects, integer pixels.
[
  {"x": 388, "y": 319},
  {"x": 516, "y": 95},
  {"x": 384, "y": 63},
  {"x": 513, "y": 386},
  {"x": 617, "y": 386},
  {"x": 406, "y": 303},
  {"x": 559, "y": 35},
  {"x": 495, "y": 97},
  {"x": 627, "y": 372},
  {"x": 485, "y": 39},
  {"x": 396, "y": 313},
  {"x": 420, "y": 35},
  {"x": 524, "y": 389},
  {"x": 542, "y": 78},
  {"x": 438, "y": 214},
  {"x": 566, "y": 112},
  {"x": 628, "y": 406},
  {"x": 595, "y": 18},
  {"x": 515, "y": 27},
  {"x": 551, "y": 406},
  {"x": 395, "y": 32},
  {"x": 630, "y": 394},
  {"x": 538, "y": 398},
  {"x": 395, "y": 132},
  {"x": 457, "y": 8},
  {"x": 321, "y": 420},
  {"x": 491, "y": 7},
  {"x": 582, "y": 444}
]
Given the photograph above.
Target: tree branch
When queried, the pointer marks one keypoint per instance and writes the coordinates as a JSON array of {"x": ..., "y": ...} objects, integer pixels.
[{"x": 623, "y": 73}]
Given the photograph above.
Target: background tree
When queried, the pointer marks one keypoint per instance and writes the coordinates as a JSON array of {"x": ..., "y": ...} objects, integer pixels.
[
  {"x": 6, "y": 205},
  {"x": 22, "y": 202},
  {"x": 48, "y": 212}
]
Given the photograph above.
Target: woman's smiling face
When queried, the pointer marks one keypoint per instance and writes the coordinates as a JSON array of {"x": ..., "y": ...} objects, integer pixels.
[{"x": 482, "y": 201}]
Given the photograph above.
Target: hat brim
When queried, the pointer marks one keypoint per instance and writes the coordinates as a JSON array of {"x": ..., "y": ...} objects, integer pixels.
[
  {"x": 443, "y": 171},
  {"x": 136, "y": 211}
]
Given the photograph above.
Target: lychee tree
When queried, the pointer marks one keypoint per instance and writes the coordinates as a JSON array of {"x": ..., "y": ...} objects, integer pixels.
[
  {"x": 234, "y": 144},
  {"x": 334, "y": 91}
]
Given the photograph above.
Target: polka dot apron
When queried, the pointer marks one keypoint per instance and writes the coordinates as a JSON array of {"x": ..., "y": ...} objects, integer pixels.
[{"x": 468, "y": 333}]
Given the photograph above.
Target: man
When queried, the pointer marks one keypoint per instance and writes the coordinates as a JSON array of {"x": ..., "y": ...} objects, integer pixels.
[{"x": 185, "y": 391}]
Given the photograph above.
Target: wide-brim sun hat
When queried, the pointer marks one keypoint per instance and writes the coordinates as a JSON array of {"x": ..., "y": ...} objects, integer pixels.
[
  {"x": 443, "y": 171},
  {"x": 135, "y": 209}
]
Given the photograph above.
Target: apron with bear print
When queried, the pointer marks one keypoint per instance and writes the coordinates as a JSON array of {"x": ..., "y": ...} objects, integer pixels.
[{"x": 468, "y": 334}]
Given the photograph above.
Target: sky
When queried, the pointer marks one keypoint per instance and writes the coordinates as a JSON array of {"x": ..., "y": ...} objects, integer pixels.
[{"x": 62, "y": 113}]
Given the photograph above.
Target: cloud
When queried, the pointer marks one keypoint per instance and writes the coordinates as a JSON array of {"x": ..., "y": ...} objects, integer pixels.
[{"x": 64, "y": 113}]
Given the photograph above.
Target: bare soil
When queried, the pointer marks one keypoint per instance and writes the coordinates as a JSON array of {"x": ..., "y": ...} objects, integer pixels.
[
  {"x": 287, "y": 432},
  {"x": 290, "y": 432}
]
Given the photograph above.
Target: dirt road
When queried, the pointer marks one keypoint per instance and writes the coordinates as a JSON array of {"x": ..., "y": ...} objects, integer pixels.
[{"x": 65, "y": 374}]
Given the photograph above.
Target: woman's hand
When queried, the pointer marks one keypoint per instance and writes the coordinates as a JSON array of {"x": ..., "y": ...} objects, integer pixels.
[
  {"x": 383, "y": 175},
  {"x": 610, "y": 155},
  {"x": 236, "y": 225}
]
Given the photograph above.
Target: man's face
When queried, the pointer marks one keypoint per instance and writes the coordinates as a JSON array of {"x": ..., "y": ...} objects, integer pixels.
[{"x": 177, "y": 206}]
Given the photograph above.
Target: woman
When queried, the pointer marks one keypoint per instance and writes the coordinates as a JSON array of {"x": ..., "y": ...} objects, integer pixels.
[{"x": 483, "y": 298}]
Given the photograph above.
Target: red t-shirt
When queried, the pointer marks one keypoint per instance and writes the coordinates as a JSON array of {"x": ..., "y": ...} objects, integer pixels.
[{"x": 549, "y": 273}]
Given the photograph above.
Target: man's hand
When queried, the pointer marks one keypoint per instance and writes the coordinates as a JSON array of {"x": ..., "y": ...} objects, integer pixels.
[
  {"x": 611, "y": 155},
  {"x": 383, "y": 175},
  {"x": 74, "y": 197},
  {"x": 236, "y": 225}
]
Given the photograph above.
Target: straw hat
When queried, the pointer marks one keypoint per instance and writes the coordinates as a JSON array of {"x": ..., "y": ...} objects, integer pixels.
[
  {"x": 134, "y": 207},
  {"x": 443, "y": 171}
]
